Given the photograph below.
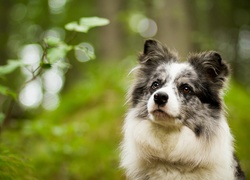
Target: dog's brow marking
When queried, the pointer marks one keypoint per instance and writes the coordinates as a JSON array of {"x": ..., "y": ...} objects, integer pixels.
[{"x": 174, "y": 69}]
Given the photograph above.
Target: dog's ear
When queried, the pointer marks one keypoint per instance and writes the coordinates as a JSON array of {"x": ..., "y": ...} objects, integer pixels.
[
  {"x": 151, "y": 46},
  {"x": 154, "y": 51},
  {"x": 210, "y": 65}
]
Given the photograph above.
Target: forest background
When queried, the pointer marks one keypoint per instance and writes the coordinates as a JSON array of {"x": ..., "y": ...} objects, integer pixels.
[{"x": 63, "y": 86}]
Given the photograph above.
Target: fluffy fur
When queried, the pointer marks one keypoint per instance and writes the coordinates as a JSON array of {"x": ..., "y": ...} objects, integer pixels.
[{"x": 176, "y": 126}]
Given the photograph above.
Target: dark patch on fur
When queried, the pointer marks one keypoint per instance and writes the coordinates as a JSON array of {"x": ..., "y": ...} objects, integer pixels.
[
  {"x": 199, "y": 105},
  {"x": 239, "y": 174},
  {"x": 212, "y": 67},
  {"x": 155, "y": 53},
  {"x": 207, "y": 95},
  {"x": 212, "y": 73},
  {"x": 137, "y": 93},
  {"x": 198, "y": 130}
]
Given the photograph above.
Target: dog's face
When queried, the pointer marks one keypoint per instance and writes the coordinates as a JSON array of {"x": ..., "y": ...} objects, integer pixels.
[{"x": 173, "y": 93}]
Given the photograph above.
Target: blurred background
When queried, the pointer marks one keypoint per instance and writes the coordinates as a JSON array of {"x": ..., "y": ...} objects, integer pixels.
[{"x": 66, "y": 121}]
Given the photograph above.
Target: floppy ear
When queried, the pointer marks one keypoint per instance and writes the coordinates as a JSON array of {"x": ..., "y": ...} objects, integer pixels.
[
  {"x": 154, "y": 51},
  {"x": 210, "y": 65}
]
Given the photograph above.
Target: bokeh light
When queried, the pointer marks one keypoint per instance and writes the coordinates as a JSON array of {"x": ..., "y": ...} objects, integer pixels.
[
  {"x": 56, "y": 6},
  {"x": 146, "y": 27},
  {"x": 53, "y": 81},
  {"x": 31, "y": 95}
]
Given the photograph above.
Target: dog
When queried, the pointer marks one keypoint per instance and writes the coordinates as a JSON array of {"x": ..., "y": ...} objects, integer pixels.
[{"x": 176, "y": 126}]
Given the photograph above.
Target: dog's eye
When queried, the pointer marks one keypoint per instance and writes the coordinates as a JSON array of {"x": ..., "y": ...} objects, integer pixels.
[
  {"x": 155, "y": 85},
  {"x": 186, "y": 89}
]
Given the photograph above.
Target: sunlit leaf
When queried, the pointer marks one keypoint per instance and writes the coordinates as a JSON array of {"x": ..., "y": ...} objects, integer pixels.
[
  {"x": 86, "y": 23},
  {"x": 63, "y": 65},
  {"x": 52, "y": 41},
  {"x": 7, "y": 91},
  {"x": 74, "y": 26},
  {"x": 10, "y": 67},
  {"x": 94, "y": 21},
  {"x": 56, "y": 53},
  {"x": 89, "y": 53}
]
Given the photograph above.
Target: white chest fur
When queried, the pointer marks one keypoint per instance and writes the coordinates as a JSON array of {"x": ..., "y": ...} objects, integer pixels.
[{"x": 154, "y": 152}]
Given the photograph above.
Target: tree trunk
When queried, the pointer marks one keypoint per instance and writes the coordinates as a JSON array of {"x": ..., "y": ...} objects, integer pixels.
[
  {"x": 4, "y": 29},
  {"x": 110, "y": 36},
  {"x": 174, "y": 28}
]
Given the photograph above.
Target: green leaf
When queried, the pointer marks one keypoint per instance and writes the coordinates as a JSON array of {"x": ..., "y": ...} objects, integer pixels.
[
  {"x": 56, "y": 53},
  {"x": 10, "y": 67},
  {"x": 94, "y": 21},
  {"x": 89, "y": 53},
  {"x": 7, "y": 91},
  {"x": 73, "y": 26},
  {"x": 63, "y": 65},
  {"x": 86, "y": 23},
  {"x": 52, "y": 41}
]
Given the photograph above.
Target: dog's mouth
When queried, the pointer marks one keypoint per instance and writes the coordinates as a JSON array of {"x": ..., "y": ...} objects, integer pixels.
[{"x": 161, "y": 115}]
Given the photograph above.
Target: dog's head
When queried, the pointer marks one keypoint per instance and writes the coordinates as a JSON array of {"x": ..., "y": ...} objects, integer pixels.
[{"x": 169, "y": 92}]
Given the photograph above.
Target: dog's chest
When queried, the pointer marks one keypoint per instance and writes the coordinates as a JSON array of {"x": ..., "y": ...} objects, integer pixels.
[{"x": 163, "y": 143}]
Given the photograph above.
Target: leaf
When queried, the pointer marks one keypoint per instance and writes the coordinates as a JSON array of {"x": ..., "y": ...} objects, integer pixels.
[
  {"x": 7, "y": 91},
  {"x": 73, "y": 26},
  {"x": 56, "y": 53},
  {"x": 52, "y": 41},
  {"x": 86, "y": 23},
  {"x": 63, "y": 65},
  {"x": 10, "y": 67},
  {"x": 94, "y": 21},
  {"x": 88, "y": 52}
]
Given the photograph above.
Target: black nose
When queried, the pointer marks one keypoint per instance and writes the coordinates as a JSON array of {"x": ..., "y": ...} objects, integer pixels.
[{"x": 161, "y": 98}]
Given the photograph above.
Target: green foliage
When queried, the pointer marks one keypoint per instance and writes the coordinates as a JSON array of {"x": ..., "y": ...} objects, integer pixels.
[
  {"x": 10, "y": 67},
  {"x": 86, "y": 23},
  {"x": 58, "y": 52},
  {"x": 56, "y": 49},
  {"x": 12, "y": 167},
  {"x": 7, "y": 91},
  {"x": 79, "y": 140},
  {"x": 5, "y": 70}
]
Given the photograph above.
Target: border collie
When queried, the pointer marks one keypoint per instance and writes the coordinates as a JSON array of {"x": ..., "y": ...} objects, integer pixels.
[{"x": 176, "y": 126}]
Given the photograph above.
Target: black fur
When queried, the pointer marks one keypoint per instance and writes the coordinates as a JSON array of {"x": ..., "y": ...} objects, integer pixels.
[
  {"x": 239, "y": 173},
  {"x": 212, "y": 72}
]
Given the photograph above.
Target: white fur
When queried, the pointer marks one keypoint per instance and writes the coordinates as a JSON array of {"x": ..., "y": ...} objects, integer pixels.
[
  {"x": 171, "y": 108},
  {"x": 146, "y": 144},
  {"x": 174, "y": 68}
]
